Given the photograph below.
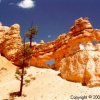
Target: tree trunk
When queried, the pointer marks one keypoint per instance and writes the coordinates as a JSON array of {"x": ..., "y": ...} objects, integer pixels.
[
  {"x": 30, "y": 42},
  {"x": 30, "y": 50},
  {"x": 22, "y": 71},
  {"x": 21, "y": 84}
]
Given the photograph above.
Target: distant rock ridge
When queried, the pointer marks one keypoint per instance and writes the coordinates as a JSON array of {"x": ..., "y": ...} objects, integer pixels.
[{"x": 74, "y": 53}]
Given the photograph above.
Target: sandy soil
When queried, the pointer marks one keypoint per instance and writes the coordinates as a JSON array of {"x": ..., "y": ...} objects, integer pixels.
[{"x": 46, "y": 86}]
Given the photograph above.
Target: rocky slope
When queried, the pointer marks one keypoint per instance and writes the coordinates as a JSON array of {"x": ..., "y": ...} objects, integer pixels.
[{"x": 7, "y": 70}]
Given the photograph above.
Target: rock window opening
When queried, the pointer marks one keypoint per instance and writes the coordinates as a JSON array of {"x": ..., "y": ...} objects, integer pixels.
[{"x": 50, "y": 62}]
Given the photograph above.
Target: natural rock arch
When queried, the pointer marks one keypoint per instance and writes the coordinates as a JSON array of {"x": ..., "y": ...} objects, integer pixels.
[{"x": 64, "y": 50}]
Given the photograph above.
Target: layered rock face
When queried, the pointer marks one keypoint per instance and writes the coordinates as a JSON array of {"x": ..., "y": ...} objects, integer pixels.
[{"x": 73, "y": 54}]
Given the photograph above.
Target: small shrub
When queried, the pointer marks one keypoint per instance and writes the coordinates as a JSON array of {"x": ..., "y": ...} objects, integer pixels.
[{"x": 3, "y": 68}]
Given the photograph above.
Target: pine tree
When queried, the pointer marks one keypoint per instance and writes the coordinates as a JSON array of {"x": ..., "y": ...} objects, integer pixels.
[
  {"x": 30, "y": 35},
  {"x": 24, "y": 61},
  {"x": 20, "y": 72}
]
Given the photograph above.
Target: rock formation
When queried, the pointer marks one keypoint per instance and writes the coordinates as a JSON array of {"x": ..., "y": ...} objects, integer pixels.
[
  {"x": 83, "y": 66},
  {"x": 10, "y": 41},
  {"x": 74, "y": 53}
]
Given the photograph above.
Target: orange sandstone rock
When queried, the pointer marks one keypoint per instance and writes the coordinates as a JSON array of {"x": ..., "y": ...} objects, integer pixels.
[{"x": 10, "y": 41}]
